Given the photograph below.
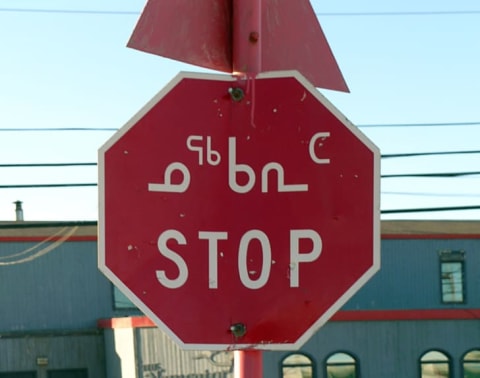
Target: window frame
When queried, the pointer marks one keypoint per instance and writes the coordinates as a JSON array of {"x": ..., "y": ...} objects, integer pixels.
[
  {"x": 33, "y": 373},
  {"x": 348, "y": 353},
  {"x": 441, "y": 351},
  {"x": 312, "y": 364},
  {"x": 129, "y": 308},
  {"x": 53, "y": 372},
  {"x": 448, "y": 257},
  {"x": 463, "y": 362}
]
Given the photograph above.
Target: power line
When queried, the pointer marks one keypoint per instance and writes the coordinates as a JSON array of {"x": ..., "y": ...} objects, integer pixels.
[
  {"x": 387, "y": 176},
  {"x": 383, "y": 156},
  {"x": 30, "y": 129},
  {"x": 430, "y": 209},
  {"x": 43, "y": 224},
  {"x": 437, "y": 124},
  {"x": 414, "y": 154},
  {"x": 323, "y": 14},
  {"x": 389, "y": 211},
  {"x": 430, "y": 194},
  {"x": 377, "y": 125},
  {"x": 30, "y": 186},
  {"x": 42, "y": 165},
  {"x": 400, "y": 13},
  {"x": 70, "y": 11},
  {"x": 448, "y": 174}
]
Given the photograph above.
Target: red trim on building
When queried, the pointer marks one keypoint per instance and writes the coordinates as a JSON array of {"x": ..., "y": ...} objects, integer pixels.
[
  {"x": 127, "y": 322},
  {"x": 430, "y": 236},
  {"x": 26, "y": 239},
  {"x": 392, "y": 315},
  {"x": 94, "y": 238},
  {"x": 341, "y": 316}
]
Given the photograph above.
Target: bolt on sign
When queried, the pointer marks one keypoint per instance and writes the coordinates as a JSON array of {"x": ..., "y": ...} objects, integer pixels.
[{"x": 239, "y": 213}]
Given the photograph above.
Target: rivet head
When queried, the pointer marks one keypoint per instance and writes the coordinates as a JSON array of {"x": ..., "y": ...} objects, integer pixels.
[
  {"x": 238, "y": 329},
  {"x": 254, "y": 37},
  {"x": 237, "y": 94}
]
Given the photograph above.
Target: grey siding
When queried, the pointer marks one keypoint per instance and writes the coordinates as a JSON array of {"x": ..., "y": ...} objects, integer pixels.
[
  {"x": 409, "y": 277},
  {"x": 386, "y": 349},
  {"x": 51, "y": 302},
  {"x": 61, "y": 289},
  {"x": 20, "y": 353},
  {"x": 158, "y": 354}
]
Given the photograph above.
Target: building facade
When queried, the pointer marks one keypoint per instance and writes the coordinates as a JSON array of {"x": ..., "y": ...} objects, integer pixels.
[{"x": 418, "y": 317}]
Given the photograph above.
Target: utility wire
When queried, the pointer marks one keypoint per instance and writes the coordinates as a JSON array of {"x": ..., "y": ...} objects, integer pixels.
[
  {"x": 400, "y": 13},
  {"x": 389, "y": 211},
  {"x": 30, "y": 129},
  {"x": 42, "y": 165},
  {"x": 22, "y": 186},
  {"x": 70, "y": 11},
  {"x": 323, "y": 14},
  {"x": 449, "y": 174},
  {"x": 414, "y": 154},
  {"x": 384, "y": 156},
  {"x": 430, "y": 209},
  {"x": 44, "y": 224},
  {"x": 441, "y": 124},
  {"x": 387, "y": 176},
  {"x": 430, "y": 194},
  {"x": 21, "y": 225},
  {"x": 376, "y": 125}
]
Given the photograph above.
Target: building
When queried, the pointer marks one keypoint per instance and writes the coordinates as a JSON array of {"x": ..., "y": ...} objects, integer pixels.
[{"x": 418, "y": 317}]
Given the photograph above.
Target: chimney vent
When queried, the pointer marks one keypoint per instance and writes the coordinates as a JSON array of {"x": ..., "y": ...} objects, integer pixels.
[{"x": 18, "y": 211}]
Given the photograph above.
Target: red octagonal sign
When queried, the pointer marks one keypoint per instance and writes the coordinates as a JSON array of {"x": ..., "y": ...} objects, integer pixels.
[{"x": 239, "y": 213}]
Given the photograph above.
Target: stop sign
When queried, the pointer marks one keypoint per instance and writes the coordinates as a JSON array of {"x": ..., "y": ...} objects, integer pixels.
[{"x": 239, "y": 213}]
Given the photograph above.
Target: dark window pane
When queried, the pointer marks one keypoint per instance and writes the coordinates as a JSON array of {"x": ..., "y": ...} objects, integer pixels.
[
  {"x": 297, "y": 366},
  {"x": 71, "y": 373},
  {"x": 120, "y": 300},
  {"x": 471, "y": 364},
  {"x": 23, "y": 374},
  {"x": 452, "y": 282},
  {"x": 435, "y": 364},
  {"x": 341, "y": 365},
  {"x": 452, "y": 276}
]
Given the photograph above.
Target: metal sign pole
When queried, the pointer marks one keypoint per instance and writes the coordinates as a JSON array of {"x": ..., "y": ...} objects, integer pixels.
[
  {"x": 247, "y": 60},
  {"x": 247, "y": 47},
  {"x": 248, "y": 364}
]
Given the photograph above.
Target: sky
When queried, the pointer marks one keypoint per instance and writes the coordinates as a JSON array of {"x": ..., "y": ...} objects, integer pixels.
[{"x": 413, "y": 69}]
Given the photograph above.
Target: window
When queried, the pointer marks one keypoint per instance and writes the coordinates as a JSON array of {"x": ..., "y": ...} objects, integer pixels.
[
  {"x": 471, "y": 364},
  {"x": 342, "y": 365},
  {"x": 434, "y": 364},
  {"x": 452, "y": 276},
  {"x": 297, "y": 365},
  {"x": 120, "y": 301},
  {"x": 70, "y": 373}
]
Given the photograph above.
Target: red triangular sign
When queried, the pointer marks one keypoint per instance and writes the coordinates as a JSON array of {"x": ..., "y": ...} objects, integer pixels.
[{"x": 200, "y": 32}]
